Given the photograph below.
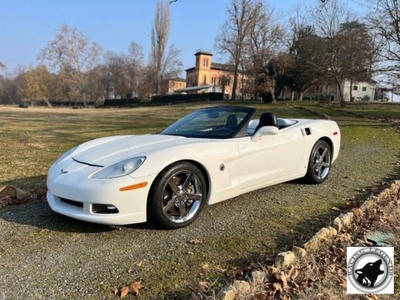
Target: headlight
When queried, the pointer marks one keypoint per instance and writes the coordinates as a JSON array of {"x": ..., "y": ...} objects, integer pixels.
[
  {"x": 66, "y": 154},
  {"x": 119, "y": 169}
]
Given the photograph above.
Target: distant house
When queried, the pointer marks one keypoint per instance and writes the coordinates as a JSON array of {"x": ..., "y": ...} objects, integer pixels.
[
  {"x": 207, "y": 76},
  {"x": 171, "y": 85},
  {"x": 361, "y": 91}
]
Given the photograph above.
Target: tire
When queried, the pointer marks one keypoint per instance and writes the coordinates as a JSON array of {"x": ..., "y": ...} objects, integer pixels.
[
  {"x": 319, "y": 163},
  {"x": 177, "y": 196}
]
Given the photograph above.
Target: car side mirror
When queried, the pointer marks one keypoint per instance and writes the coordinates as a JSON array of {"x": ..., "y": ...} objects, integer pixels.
[{"x": 266, "y": 130}]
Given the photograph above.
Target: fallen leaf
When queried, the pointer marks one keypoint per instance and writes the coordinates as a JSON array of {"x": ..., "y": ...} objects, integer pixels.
[
  {"x": 124, "y": 291},
  {"x": 138, "y": 264},
  {"x": 195, "y": 242},
  {"x": 133, "y": 289}
]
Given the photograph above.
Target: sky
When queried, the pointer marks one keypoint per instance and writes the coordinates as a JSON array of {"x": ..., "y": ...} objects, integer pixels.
[{"x": 26, "y": 26}]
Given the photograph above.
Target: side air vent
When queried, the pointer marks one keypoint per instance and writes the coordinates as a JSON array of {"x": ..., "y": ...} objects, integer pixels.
[{"x": 306, "y": 131}]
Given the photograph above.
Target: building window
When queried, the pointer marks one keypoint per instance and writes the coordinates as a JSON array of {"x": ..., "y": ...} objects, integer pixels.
[
  {"x": 213, "y": 80},
  {"x": 364, "y": 88},
  {"x": 204, "y": 80},
  {"x": 205, "y": 62},
  {"x": 355, "y": 88},
  {"x": 317, "y": 88}
]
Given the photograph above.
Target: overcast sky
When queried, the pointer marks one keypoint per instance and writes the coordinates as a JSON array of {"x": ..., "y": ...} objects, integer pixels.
[{"x": 27, "y": 25}]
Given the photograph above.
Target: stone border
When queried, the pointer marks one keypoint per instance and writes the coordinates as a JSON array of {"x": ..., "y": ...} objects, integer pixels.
[{"x": 344, "y": 222}]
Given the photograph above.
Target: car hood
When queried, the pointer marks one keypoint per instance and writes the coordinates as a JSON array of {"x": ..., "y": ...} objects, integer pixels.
[{"x": 109, "y": 150}]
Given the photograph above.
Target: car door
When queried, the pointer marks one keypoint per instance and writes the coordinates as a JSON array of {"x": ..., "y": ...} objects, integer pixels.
[{"x": 270, "y": 158}]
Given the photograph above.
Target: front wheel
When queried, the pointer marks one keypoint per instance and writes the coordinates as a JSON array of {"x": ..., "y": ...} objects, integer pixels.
[
  {"x": 177, "y": 196},
  {"x": 319, "y": 163}
]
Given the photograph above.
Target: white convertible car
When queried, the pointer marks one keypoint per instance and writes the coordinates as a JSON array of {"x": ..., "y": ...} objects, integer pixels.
[{"x": 210, "y": 155}]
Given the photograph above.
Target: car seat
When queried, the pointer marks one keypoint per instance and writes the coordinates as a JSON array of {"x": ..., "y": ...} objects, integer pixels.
[{"x": 266, "y": 119}]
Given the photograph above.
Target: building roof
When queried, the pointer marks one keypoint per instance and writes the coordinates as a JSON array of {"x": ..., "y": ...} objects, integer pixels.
[
  {"x": 177, "y": 79},
  {"x": 219, "y": 66},
  {"x": 194, "y": 88},
  {"x": 203, "y": 51},
  {"x": 215, "y": 66}
]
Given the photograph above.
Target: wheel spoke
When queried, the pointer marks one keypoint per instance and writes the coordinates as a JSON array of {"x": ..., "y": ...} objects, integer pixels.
[
  {"x": 193, "y": 196},
  {"x": 173, "y": 187},
  {"x": 182, "y": 210},
  {"x": 169, "y": 205},
  {"x": 188, "y": 179},
  {"x": 322, "y": 157},
  {"x": 325, "y": 164}
]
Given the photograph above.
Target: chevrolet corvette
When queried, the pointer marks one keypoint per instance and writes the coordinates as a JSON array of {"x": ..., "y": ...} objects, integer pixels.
[{"x": 212, "y": 154}]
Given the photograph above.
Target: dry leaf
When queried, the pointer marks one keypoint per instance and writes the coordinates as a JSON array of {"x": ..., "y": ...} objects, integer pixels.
[
  {"x": 277, "y": 286},
  {"x": 124, "y": 291},
  {"x": 195, "y": 242},
  {"x": 138, "y": 264},
  {"x": 334, "y": 208},
  {"x": 133, "y": 289}
]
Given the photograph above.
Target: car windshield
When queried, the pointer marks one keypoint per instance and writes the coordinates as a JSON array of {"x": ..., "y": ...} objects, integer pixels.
[{"x": 216, "y": 122}]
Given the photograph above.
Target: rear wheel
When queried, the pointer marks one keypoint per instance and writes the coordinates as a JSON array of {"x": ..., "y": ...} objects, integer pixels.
[
  {"x": 319, "y": 163},
  {"x": 177, "y": 196}
]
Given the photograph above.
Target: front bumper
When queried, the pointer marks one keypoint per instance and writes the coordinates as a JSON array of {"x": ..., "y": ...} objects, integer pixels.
[{"x": 72, "y": 193}]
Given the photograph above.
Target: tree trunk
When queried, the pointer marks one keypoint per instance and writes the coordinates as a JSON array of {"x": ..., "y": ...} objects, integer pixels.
[
  {"x": 301, "y": 96},
  {"x": 273, "y": 90},
  {"x": 234, "y": 86},
  {"x": 48, "y": 103},
  {"x": 351, "y": 90},
  {"x": 340, "y": 94},
  {"x": 84, "y": 99}
]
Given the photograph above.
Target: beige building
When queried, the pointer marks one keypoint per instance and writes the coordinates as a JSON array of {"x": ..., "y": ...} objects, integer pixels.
[
  {"x": 171, "y": 85},
  {"x": 207, "y": 76}
]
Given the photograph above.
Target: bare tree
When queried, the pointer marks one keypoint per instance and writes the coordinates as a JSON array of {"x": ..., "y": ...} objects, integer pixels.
[
  {"x": 72, "y": 53},
  {"x": 10, "y": 86},
  {"x": 234, "y": 32},
  {"x": 359, "y": 52},
  {"x": 117, "y": 73},
  {"x": 159, "y": 42},
  {"x": 304, "y": 46},
  {"x": 263, "y": 43},
  {"x": 35, "y": 85},
  {"x": 385, "y": 19},
  {"x": 328, "y": 19},
  {"x": 136, "y": 67}
]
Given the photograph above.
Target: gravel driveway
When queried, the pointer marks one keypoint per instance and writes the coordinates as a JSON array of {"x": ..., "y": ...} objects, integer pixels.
[{"x": 47, "y": 256}]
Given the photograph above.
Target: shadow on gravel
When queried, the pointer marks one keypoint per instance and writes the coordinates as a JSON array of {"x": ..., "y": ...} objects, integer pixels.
[{"x": 39, "y": 214}]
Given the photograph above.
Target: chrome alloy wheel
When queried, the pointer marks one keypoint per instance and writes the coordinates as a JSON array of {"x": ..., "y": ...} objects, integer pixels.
[
  {"x": 182, "y": 196},
  {"x": 321, "y": 161}
]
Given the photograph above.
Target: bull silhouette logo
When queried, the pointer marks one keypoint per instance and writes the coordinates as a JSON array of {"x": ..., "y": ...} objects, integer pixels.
[
  {"x": 370, "y": 270},
  {"x": 369, "y": 273}
]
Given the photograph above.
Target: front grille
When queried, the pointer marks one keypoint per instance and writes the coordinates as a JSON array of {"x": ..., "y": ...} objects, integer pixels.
[{"x": 71, "y": 202}]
